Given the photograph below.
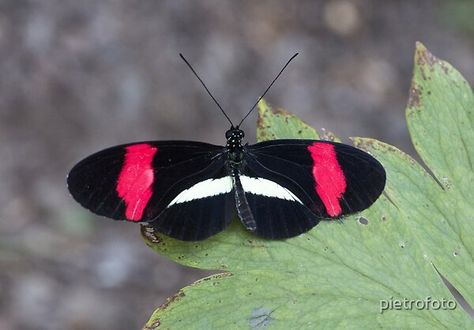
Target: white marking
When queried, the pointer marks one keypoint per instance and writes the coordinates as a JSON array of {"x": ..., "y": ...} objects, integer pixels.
[
  {"x": 203, "y": 189},
  {"x": 267, "y": 188}
]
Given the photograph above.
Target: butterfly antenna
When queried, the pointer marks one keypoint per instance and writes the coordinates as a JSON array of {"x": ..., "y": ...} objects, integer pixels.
[
  {"x": 207, "y": 89},
  {"x": 268, "y": 88}
]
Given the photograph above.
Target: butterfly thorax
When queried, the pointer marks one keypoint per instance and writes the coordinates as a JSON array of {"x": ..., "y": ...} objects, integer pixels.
[{"x": 234, "y": 138}]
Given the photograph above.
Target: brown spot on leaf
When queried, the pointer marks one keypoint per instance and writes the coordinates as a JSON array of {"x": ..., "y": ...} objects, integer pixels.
[
  {"x": 425, "y": 59},
  {"x": 414, "y": 97},
  {"x": 149, "y": 234},
  {"x": 172, "y": 299},
  {"x": 212, "y": 277},
  {"x": 152, "y": 326}
]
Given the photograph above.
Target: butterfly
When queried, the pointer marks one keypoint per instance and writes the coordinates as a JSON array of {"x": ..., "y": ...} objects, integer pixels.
[{"x": 191, "y": 190}]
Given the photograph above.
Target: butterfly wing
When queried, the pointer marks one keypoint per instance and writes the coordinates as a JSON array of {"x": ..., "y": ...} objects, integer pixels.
[
  {"x": 181, "y": 188},
  {"x": 310, "y": 180}
]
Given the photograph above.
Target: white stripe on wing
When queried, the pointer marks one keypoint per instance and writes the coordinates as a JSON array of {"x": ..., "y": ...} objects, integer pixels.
[
  {"x": 267, "y": 188},
  {"x": 204, "y": 189}
]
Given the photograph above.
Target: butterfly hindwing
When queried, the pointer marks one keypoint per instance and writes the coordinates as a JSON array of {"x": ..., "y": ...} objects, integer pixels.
[
  {"x": 147, "y": 182},
  {"x": 277, "y": 212},
  {"x": 202, "y": 210},
  {"x": 328, "y": 180}
]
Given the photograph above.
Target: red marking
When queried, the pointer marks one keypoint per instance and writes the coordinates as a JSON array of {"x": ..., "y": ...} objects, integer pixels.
[
  {"x": 135, "y": 179},
  {"x": 330, "y": 182}
]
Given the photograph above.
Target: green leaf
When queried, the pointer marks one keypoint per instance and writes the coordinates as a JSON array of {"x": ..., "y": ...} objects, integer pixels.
[
  {"x": 338, "y": 274},
  {"x": 275, "y": 124}
]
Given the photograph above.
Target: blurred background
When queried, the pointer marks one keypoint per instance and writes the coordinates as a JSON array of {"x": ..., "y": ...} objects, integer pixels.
[{"x": 79, "y": 76}]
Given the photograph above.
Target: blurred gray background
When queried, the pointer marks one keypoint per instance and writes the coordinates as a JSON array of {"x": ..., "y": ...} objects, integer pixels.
[{"x": 79, "y": 76}]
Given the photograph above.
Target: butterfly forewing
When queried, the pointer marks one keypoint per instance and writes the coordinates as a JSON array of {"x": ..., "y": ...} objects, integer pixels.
[{"x": 171, "y": 184}]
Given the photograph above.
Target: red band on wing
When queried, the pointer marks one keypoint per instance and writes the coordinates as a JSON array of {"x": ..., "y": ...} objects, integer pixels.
[
  {"x": 135, "y": 179},
  {"x": 330, "y": 182}
]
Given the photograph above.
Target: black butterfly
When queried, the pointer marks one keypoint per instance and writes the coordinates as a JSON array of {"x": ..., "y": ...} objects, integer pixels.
[{"x": 190, "y": 190}]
